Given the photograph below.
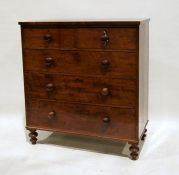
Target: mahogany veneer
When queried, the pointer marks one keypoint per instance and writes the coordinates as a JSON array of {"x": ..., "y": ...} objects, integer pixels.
[{"x": 88, "y": 78}]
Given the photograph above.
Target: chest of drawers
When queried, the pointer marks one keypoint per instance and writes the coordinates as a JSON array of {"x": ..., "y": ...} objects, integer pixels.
[{"x": 88, "y": 78}]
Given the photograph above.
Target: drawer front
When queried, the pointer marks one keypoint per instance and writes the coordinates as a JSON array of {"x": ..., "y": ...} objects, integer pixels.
[
  {"x": 110, "y": 38},
  {"x": 99, "y": 90},
  {"x": 48, "y": 38},
  {"x": 82, "y": 38},
  {"x": 119, "y": 64},
  {"x": 91, "y": 120}
]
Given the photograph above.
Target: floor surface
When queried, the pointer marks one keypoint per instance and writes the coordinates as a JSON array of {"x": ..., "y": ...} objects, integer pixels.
[{"x": 62, "y": 154}]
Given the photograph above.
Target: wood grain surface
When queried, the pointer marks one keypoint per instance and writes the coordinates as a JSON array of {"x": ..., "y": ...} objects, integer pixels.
[
  {"x": 81, "y": 89},
  {"x": 81, "y": 118},
  {"x": 119, "y": 64},
  {"x": 87, "y": 38}
]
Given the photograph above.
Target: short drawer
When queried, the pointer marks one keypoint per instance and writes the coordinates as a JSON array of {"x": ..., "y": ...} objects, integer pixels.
[
  {"x": 48, "y": 38},
  {"x": 98, "y": 90},
  {"x": 119, "y": 64},
  {"x": 107, "y": 122},
  {"x": 109, "y": 38},
  {"x": 81, "y": 38}
]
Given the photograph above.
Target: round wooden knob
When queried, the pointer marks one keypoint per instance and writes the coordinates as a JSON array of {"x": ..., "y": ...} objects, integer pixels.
[
  {"x": 105, "y": 91},
  {"x": 47, "y": 37},
  {"x": 51, "y": 114},
  {"x": 106, "y": 119},
  {"x": 105, "y": 64},
  {"x": 49, "y": 87},
  {"x": 49, "y": 61}
]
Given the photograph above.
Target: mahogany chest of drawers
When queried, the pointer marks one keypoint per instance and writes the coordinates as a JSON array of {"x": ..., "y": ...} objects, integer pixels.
[{"x": 88, "y": 78}]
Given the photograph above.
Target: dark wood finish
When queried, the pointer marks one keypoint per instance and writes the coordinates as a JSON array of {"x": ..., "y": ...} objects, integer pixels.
[
  {"x": 83, "y": 24},
  {"x": 87, "y": 78},
  {"x": 134, "y": 148},
  {"x": 117, "y": 38},
  {"x": 58, "y": 38},
  {"x": 94, "y": 120},
  {"x": 99, "y": 90},
  {"x": 33, "y": 135},
  {"x": 95, "y": 63}
]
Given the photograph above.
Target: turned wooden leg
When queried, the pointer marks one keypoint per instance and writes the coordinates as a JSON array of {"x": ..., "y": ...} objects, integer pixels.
[
  {"x": 134, "y": 148},
  {"x": 33, "y": 135},
  {"x": 144, "y": 135}
]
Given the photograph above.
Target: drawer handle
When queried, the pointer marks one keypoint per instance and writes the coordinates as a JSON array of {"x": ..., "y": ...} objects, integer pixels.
[
  {"x": 105, "y": 64},
  {"x": 105, "y": 38},
  {"x": 47, "y": 38},
  {"x": 106, "y": 119},
  {"x": 49, "y": 87},
  {"x": 49, "y": 61},
  {"x": 51, "y": 114},
  {"x": 105, "y": 91}
]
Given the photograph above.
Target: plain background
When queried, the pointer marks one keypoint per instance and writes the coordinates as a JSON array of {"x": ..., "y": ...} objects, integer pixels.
[{"x": 160, "y": 152}]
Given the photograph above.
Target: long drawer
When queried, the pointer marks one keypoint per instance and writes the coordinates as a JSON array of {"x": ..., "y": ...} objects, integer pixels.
[
  {"x": 99, "y": 90},
  {"x": 117, "y": 64},
  {"x": 112, "y": 122},
  {"x": 86, "y": 38}
]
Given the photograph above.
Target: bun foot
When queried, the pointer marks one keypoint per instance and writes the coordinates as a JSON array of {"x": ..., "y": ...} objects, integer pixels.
[
  {"x": 33, "y": 135},
  {"x": 144, "y": 135},
  {"x": 134, "y": 148}
]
